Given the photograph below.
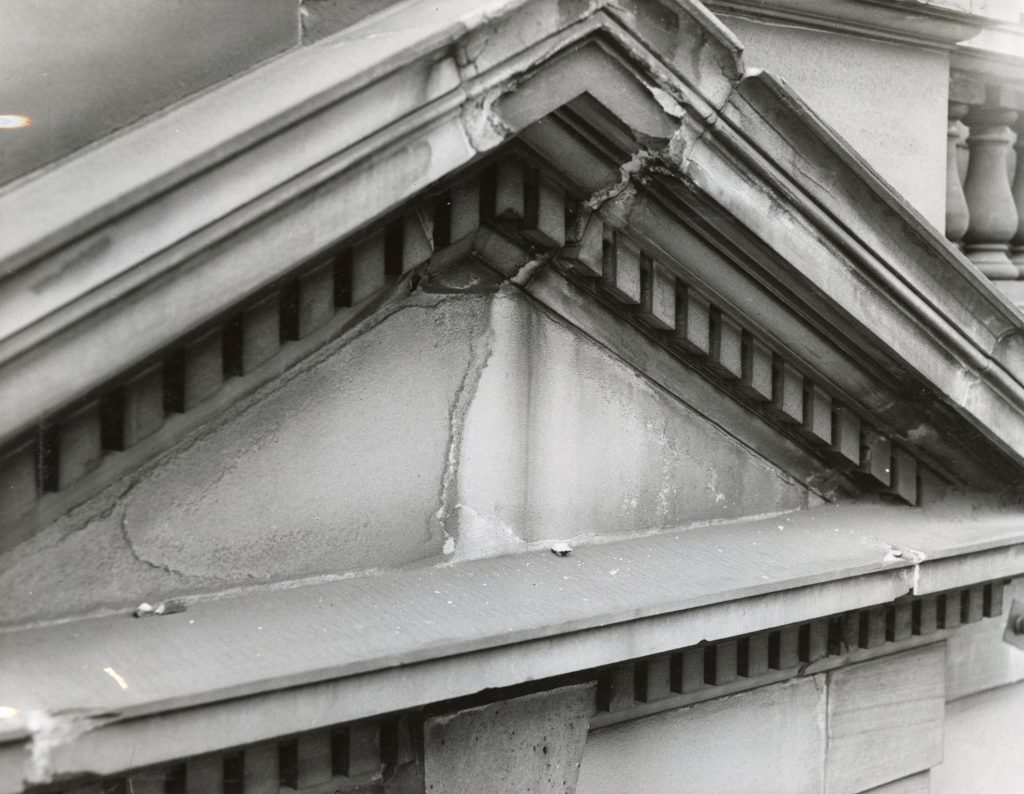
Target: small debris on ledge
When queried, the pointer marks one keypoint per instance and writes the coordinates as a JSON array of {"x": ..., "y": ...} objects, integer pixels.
[
  {"x": 561, "y": 549},
  {"x": 146, "y": 610}
]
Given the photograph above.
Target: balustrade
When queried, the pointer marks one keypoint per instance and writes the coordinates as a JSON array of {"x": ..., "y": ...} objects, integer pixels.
[{"x": 985, "y": 175}]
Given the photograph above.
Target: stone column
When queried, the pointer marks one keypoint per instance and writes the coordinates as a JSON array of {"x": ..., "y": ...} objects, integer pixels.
[{"x": 993, "y": 215}]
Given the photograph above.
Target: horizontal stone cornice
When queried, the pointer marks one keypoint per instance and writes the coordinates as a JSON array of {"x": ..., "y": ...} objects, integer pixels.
[{"x": 333, "y": 651}]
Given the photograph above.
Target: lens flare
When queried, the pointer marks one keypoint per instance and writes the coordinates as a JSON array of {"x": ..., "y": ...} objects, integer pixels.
[{"x": 12, "y": 122}]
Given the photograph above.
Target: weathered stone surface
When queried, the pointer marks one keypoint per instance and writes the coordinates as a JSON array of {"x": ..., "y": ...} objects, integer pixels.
[
  {"x": 768, "y": 739},
  {"x": 370, "y": 419},
  {"x": 532, "y": 743},
  {"x": 563, "y": 440},
  {"x": 885, "y": 719},
  {"x": 983, "y": 743},
  {"x": 887, "y": 100},
  {"x": 977, "y": 658}
]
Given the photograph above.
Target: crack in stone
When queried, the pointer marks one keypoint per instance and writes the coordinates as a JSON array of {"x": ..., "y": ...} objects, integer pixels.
[
  {"x": 459, "y": 408},
  {"x": 130, "y": 546}
]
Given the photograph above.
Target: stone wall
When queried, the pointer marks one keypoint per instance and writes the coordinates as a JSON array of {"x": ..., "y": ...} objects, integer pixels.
[
  {"x": 849, "y": 730},
  {"x": 887, "y": 100},
  {"x": 444, "y": 427}
]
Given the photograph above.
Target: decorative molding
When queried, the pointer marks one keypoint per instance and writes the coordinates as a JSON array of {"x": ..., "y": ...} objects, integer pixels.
[
  {"x": 701, "y": 672},
  {"x": 675, "y": 112},
  {"x": 920, "y": 24}
]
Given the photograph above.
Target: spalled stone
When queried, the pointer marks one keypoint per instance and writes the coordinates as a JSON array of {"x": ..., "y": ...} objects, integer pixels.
[{"x": 532, "y": 743}]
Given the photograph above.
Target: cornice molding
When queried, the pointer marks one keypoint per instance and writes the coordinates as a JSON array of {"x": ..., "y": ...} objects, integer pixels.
[
  {"x": 186, "y": 679},
  {"x": 133, "y": 268},
  {"x": 919, "y": 24}
]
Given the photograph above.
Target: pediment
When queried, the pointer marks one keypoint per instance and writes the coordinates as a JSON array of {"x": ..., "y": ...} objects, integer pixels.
[{"x": 699, "y": 226}]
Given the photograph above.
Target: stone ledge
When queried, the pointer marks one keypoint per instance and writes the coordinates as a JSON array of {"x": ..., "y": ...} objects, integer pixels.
[{"x": 349, "y": 649}]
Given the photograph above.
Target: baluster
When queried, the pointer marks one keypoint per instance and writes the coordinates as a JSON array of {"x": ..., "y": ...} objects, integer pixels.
[
  {"x": 963, "y": 92},
  {"x": 993, "y": 215},
  {"x": 1017, "y": 244},
  {"x": 957, "y": 215}
]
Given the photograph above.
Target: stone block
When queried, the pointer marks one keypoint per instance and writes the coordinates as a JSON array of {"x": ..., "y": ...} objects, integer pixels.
[
  {"x": 993, "y": 600},
  {"x": 416, "y": 247},
  {"x": 544, "y": 213},
  {"x": 254, "y": 337},
  {"x": 18, "y": 496},
  {"x": 587, "y": 254},
  {"x": 531, "y": 743},
  {"x": 75, "y": 447},
  {"x": 143, "y": 406},
  {"x": 195, "y": 372},
  {"x": 876, "y": 457},
  {"x": 845, "y": 434},
  {"x": 314, "y": 758},
  {"x": 950, "y": 610},
  {"x": 926, "y": 615},
  {"x": 654, "y": 678},
  {"x": 316, "y": 297},
  {"x": 872, "y": 627},
  {"x": 904, "y": 475},
  {"x": 152, "y": 780},
  {"x": 972, "y": 603},
  {"x": 615, "y": 688},
  {"x": 693, "y": 322},
  {"x": 756, "y": 374},
  {"x": 465, "y": 209},
  {"x": 367, "y": 268},
  {"x": 620, "y": 276},
  {"x": 357, "y": 750},
  {"x": 885, "y": 719},
  {"x": 720, "y": 663},
  {"x": 752, "y": 658},
  {"x": 204, "y": 773},
  {"x": 204, "y": 368},
  {"x": 657, "y": 295},
  {"x": 787, "y": 392},
  {"x": 260, "y": 769},
  {"x": 784, "y": 648},
  {"x": 851, "y": 631},
  {"x": 817, "y": 424},
  {"x": 688, "y": 672},
  {"x": 726, "y": 355},
  {"x": 769, "y": 739},
  {"x": 509, "y": 190},
  {"x": 813, "y": 641},
  {"x": 899, "y": 621}
]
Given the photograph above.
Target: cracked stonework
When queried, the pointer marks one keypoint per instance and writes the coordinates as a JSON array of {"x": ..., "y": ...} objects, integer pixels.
[
  {"x": 484, "y": 128},
  {"x": 49, "y": 733},
  {"x": 448, "y": 495}
]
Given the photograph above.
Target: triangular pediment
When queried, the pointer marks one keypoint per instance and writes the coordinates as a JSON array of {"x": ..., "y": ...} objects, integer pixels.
[{"x": 693, "y": 224}]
